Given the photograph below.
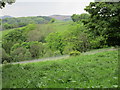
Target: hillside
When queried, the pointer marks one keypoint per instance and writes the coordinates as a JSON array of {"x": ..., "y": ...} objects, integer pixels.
[
  {"x": 6, "y": 16},
  {"x": 31, "y": 33},
  {"x": 86, "y": 71},
  {"x": 16, "y": 22},
  {"x": 54, "y": 27},
  {"x": 61, "y": 17}
]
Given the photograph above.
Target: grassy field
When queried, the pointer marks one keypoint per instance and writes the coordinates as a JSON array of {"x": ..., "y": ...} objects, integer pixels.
[{"x": 98, "y": 70}]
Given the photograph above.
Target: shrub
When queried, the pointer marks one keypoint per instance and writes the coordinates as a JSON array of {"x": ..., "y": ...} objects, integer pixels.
[
  {"x": 98, "y": 42},
  {"x": 48, "y": 53},
  {"x": 74, "y": 53},
  {"x": 57, "y": 53},
  {"x": 36, "y": 50},
  {"x": 5, "y": 62},
  {"x": 68, "y": 48},
  {"x": 5, "y": 57},
  {"x": 21, "y": 54}
]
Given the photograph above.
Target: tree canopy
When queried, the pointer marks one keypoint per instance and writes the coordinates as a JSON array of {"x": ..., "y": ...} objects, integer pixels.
[
  {"x": 4, "y": 2},
  {"x": 104, "y": 21},
  {"x": 77, "y": 17}
]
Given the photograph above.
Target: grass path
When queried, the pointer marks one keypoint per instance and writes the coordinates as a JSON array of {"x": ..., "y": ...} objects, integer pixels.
[
  {"x": 99, "y": 50},
  {"x": 65, "y": 56},
  {"x": 44, "y": 59}
]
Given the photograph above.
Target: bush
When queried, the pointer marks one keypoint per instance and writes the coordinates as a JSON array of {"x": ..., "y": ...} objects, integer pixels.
[
  {"x": 5, "y": 57},
  {"x": 49, "y": 53},
  {"x": 36, "y": 50},
  {"x": 68, "y": 48},
  {"x": 74, "y": 53},
  {"x": 5, "y": 62},
  {"x": 21, "y": 54},
  {"x": 57, "y": 53},
  {"x": 98, "y": 42}
]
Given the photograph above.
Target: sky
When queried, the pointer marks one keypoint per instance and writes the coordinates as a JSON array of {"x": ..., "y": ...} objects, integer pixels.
[
  {"x": 23, "y": 8},
  {"x": 54, "y": 0}
]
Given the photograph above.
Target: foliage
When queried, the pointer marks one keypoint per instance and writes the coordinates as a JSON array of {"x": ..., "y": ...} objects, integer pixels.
[
  {"x": 68, "y": 48},
  {"x": 40, "y": 33},
  {"x": 48, "y": 53},
  {"x": 5, "y": 57},
  {"x": 9, "y": 23},
  {"x": 55, "y": 42},
  {"x": 15, "y": 36},
  {"x": 77, "y": 39},
  {"x": 7, "y": 26},
  {"x": 73, "y": 39},
  {"x": 86, "y": 71},
  {"x": 74, "y": 53},
  {"x": 32, "y": 37},
  {"x": 98, "y": 42},
  {"x": 3, "y": 2},
  {"x": 104, "y": 21},
  {"x": 21, "y": 54},
  {"x": 77, "y": 18},
  {"x": 52, "y": 20},
  {"x": 36, "y": 50}
]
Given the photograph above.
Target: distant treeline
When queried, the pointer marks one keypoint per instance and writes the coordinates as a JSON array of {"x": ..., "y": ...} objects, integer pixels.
[{"x": 9, "y": 23}]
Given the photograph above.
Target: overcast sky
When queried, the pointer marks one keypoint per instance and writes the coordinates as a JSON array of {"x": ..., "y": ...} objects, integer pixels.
[
  {"x": 23, "y": 8},
  {"x": 54, "y": 0}
]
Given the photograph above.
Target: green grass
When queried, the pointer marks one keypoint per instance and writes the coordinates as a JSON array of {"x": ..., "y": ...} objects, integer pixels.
[
  {"x": 85, "y": 71},
  {"x": 55, "y": 27}
]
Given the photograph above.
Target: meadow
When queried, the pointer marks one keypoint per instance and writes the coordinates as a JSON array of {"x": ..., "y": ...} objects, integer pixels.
[{"x": 99, "y": 70}]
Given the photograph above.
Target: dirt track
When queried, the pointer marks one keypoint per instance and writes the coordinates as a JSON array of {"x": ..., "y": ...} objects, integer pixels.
[{"x": 65, "y": 56}]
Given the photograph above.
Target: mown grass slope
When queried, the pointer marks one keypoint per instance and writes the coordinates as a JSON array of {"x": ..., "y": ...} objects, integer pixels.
[{"x": 99, "y": 70}]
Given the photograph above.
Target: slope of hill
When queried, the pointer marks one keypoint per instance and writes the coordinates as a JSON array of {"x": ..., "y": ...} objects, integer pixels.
[
  {"x": 6, "y": 16},
  {"x": 86, "y": 71},
  {"x": 61, "y": 17},
  {"x": 54, "y": 27},
  {"x": 10, "y": 23}
]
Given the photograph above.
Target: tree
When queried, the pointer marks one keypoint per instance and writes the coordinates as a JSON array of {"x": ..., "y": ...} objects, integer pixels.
[
  {"x": 36, "y": 50},
  {"x": 76, "y": 39},
  {"x": 5, "y": 56},
  {"x": 77, "y": 17},
  {"x": 15, "y": 36},
  {"x": 4, "y": 2},
  {"x": 20, "y": 54},
  {"x": 7, "y": 26},
  {"x": 104, "y": 21},
  {"x": 55, "y": 42},
  {"x": 52, "y": 20}
]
